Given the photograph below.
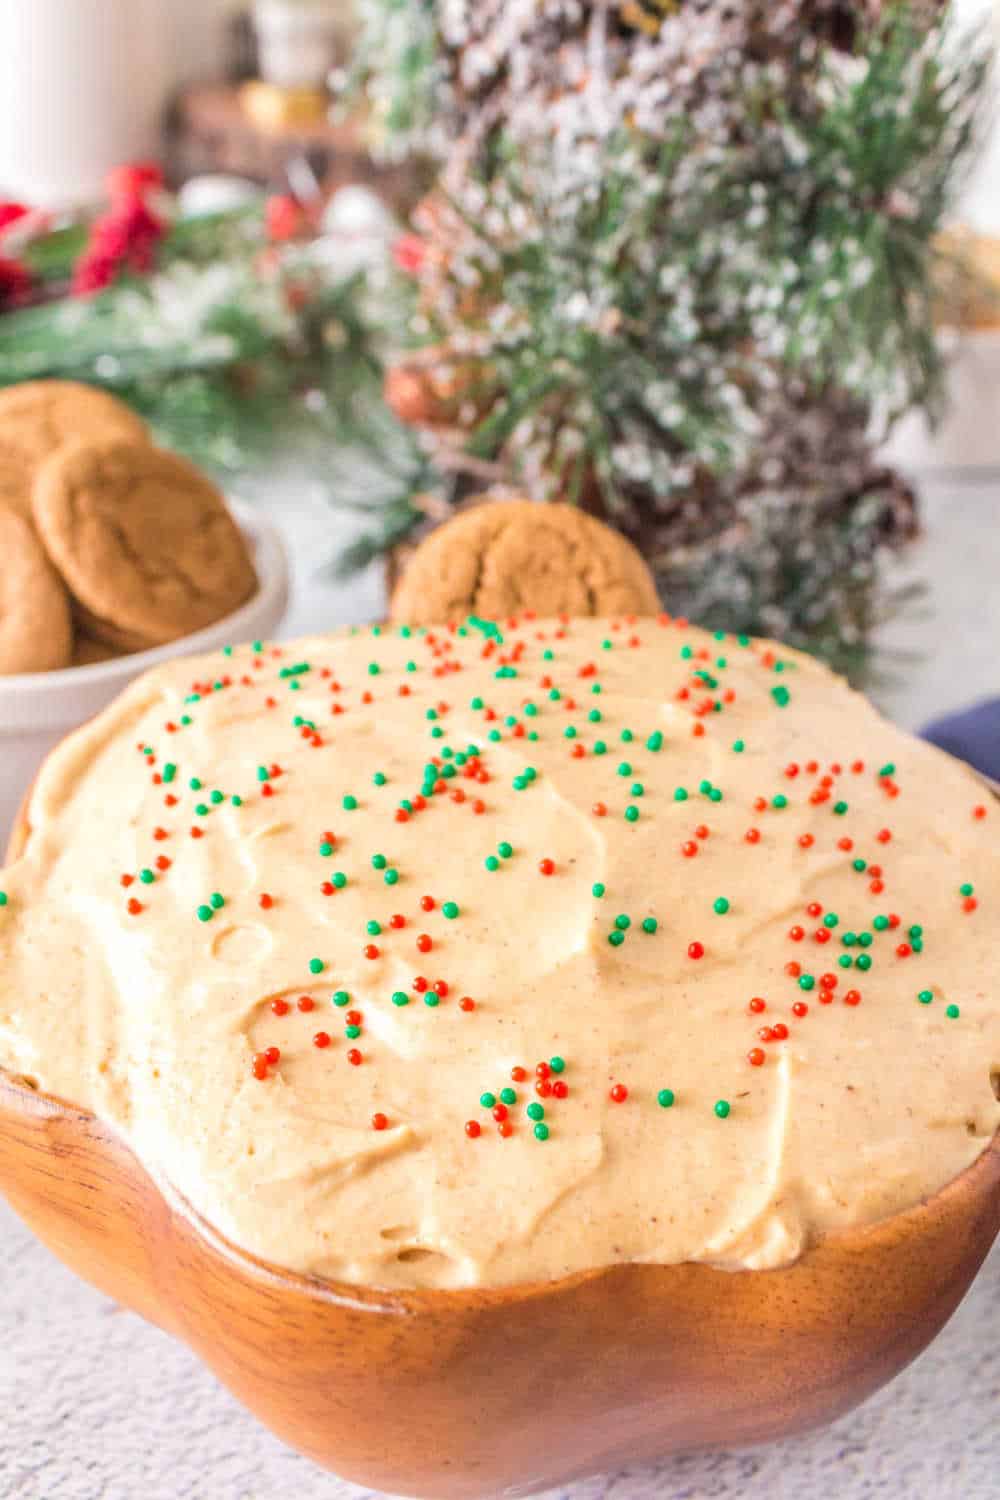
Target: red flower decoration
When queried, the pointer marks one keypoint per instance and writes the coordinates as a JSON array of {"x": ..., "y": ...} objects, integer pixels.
[
  {"x": 15, "y": 282},
  {"x": 133, "y": 180}
]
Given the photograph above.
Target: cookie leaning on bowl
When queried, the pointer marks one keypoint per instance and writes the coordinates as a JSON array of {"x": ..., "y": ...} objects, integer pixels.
[
  {"x": 40, "y": 417},
  {"x": 36, "y": 630},
  {"x": 502, "y": 557},
  {"x": 144, "y": 541}
]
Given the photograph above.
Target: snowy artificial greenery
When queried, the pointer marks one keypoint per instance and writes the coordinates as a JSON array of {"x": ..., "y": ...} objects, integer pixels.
[{"x": 679, "y": 265}]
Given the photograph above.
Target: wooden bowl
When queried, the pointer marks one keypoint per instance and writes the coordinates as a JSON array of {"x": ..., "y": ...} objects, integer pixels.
[{"x": 462, "y": 1394}]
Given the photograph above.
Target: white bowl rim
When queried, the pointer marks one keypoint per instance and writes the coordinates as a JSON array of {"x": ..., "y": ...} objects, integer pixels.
[{"x": 272, "y": 573}]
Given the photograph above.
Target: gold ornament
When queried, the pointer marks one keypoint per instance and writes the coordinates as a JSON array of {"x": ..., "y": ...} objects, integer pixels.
[{"x": 648, "y": 15}]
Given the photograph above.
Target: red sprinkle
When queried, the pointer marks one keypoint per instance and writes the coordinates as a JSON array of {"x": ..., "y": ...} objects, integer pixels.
[
  {"x": 473, "y": 1129},
  {"x": 321, "y": 1039},
  {"x": 354, "y": 1057},
  {"x": 619, "y": 1093},
  {"x": 696, "y": 950},
  {"x": 756, "y": 1057},
  {"x": 279, "y": 1007},
  {"x": 379, "y": 1121},
  {"x": 547, "y": 866},
  {"x": 424, "y": 944}
]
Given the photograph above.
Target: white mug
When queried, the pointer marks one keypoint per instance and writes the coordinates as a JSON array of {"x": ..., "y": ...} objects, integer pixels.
[{"x": 83, "y": 87}]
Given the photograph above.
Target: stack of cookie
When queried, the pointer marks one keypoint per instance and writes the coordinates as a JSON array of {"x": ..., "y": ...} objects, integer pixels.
[{"x": 109, "y": 545}]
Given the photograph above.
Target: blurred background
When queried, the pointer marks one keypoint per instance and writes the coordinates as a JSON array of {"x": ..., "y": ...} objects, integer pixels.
[{"x": 731, "y": 283}]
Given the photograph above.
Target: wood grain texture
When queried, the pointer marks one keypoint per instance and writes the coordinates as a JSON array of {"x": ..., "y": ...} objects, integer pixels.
[{"x": 467, "y": 1394}]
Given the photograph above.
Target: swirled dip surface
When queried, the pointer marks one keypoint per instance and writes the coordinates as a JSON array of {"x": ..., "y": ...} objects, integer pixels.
[{"x": 755, "y": 923}]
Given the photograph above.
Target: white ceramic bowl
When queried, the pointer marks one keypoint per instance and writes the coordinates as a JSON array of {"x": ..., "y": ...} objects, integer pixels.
[{"x": 38, "y": 708}]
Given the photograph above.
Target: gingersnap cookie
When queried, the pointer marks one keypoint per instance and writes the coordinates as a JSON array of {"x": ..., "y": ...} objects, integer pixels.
[
  {"x": 42, "y": 416},
  {"x": 88, "y": 652},
  {"x": 144, "y": 541},
  {"x": 36, "y": 629},
  {"x": 504, "y": 556}
]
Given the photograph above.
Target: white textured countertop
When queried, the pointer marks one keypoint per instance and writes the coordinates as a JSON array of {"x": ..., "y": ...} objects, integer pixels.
[{"x": 97, "y": 1405}]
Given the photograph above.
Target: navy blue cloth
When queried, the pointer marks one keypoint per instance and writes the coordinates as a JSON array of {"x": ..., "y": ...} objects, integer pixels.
[{"x": 973, "y": 735}]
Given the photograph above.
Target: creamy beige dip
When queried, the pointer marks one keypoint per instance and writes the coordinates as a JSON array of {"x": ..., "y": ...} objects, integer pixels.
[{"x": 726, "y": 794}]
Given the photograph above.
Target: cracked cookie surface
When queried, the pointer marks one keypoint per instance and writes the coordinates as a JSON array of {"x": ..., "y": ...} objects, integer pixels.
[
  {"x": 144, "y": 541},
  {"x": 42, "y": 416},
  {"x": 506, "y": 556},
  {"x": 36, "y": 630}
]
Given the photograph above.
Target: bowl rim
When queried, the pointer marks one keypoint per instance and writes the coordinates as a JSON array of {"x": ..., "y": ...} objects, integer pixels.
[
  {"x": 272, "y": 568},
  {"x": 410, "y": 1301}
]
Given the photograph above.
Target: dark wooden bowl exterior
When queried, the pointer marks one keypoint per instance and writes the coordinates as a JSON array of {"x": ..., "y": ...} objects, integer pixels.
[{"x": 467, "y": 1394}]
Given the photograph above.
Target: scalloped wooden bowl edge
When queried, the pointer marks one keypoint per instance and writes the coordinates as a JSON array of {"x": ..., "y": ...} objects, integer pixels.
[{"x": 458, "y": 1395}]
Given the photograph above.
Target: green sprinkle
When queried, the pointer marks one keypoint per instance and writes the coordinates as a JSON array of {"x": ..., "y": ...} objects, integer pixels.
[
  {"x": 600, "y": 748},
  {"x": 476, "y": 703},
  {"x": 169, "y": 771},
  {"x": 860, "y": 865},
  {"x": 845, "y": 961},
  {"x": 541, "y": 1132},
  {"x": 147, "y": 877},
  {"x": 655, "y": 741},
  {"x": 205, "y": 914},
  {"x": 722, "y": 1108},
  {"x": 781, "y": 695},
  {"x": 216, "y": 901},
  {"x": 505, "y": 850},
  {"x": 432, "y": 998},
  {"x": 631, "y": 814},
  {"x": 739, "y": 746},
  {"x": 316, "y": 966},
  {"x": 720, "y": 906},
  {"x": 557, "y": 1064},
  {"x": 916, "y": 931},
  {"x": 622, "y": 922},
  {"x": 806, "y": 982},
  {"x": 3, "y": 898},
  {"x": 849, "y": 939},
  {"x": 925, "y": 997},
  {"x": 569, "y": 732},
  {"x": 952, "y": 1012},
  {"x": 840, "y": 808},
  {"x": 888, "y": 769},
  {"x": 627, "y": 736},
  {"x": 831, "y": 919},
  {"x": 450, "y": 909},
  {"x": 400, "y": 997},
  {"x": 492, "y": 863},
  {"x": 680, "y": 794},
  {"x": 598, "y": 889},
  {"x": 373, "y": 928},
  {"x": 326, "y": 850},
  {"x": 508, "y": 1096},
  {"x": 966, "y": 889},
  {"x": 665, "y": 1098},
  {"x": 487, "y": 1100},
  {"x": 637, "y": 789},
  {"x": 195, "y": 784},
  {"x": 379, "y": 778},
  {"x": 350, "y": 803},
  {"x": 202, "y": 809},
  {"x": 373, "y": 669},
  {"x": 339, "y": 879},
  {"x": 880, "y": 924},
  {"x": 379, "y": 861},
  {"x": 863, "y": 962},
  {"x": 236, "y": 801},
  {"x": 624, "y": 769},
  {"x": 391, "y": 877},
  {"x": 352, "y": 1032},
  {"x": 535, "y": 1112},
  {"x": 616, "y": 938},
  {"x": 263, "y": 774},
  {"x": 779, "y": 801},
  {"x": 649, "y": 924}
]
